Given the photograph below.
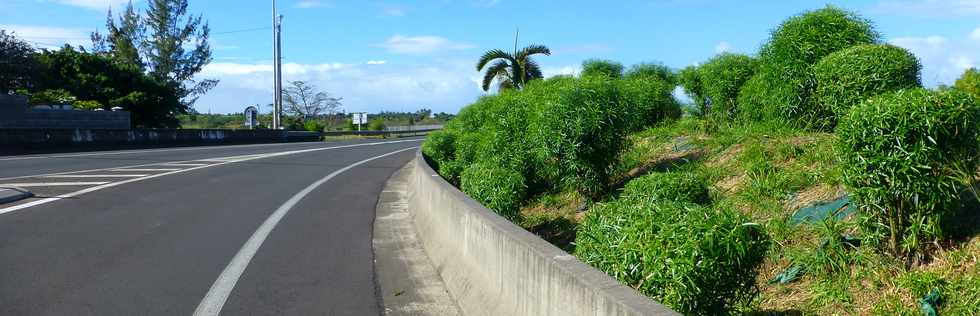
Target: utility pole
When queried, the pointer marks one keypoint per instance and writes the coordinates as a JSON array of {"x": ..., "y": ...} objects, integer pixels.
[{"x": 277, "y": 67}]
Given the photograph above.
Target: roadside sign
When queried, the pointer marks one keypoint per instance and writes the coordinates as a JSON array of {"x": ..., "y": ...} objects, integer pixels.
[
  {"x": 359, "y": 118},
  {"x": 251, "y": 117}
]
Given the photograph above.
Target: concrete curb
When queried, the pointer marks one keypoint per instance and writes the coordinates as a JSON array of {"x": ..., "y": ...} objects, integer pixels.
[
  {"x": 12, "y": 194},
  {"x": 493, "y": 267}
]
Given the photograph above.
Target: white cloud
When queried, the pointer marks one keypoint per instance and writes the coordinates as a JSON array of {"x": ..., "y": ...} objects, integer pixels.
[
  {"x": 442, "y": 86},
  {"x": 549, "y": 72},
  {"x": 931, "y": 7},
  {"x": 102, "y": 5},
  {"x": 393, "y": 11},
  {"x": 376, "y": 62},
  {"x": 723, "y": 47},
  {"x": 306, "y": 4},
  {"x": 399, "y": 44},
  {"x": 975, "y": 35},
  {"x": 49, "y": 37},
  {"x": 943, "y": 60}
]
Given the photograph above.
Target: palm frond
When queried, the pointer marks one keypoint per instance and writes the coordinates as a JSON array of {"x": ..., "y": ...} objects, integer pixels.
[
  {"x": 491, "y": 55},
  {"x": 497, "y": 70},
  {"x": 533, "y": 50},
  {"x": 532, "y": 70}
]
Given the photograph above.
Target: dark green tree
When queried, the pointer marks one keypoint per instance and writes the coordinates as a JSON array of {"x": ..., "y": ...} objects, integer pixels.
[
  {"x": 167, "y": 42},
  {"x": 16, "y": 62},
  {"x": 92, "y": 77},
  {"x": 512, "y": 71}
]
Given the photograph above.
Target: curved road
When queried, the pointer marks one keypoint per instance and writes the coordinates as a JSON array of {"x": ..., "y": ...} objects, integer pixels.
[{"x": 230, "y": 230}]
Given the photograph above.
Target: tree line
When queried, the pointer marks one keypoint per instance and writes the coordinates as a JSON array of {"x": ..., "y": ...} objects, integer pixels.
[{"x": 144, "y": 63}]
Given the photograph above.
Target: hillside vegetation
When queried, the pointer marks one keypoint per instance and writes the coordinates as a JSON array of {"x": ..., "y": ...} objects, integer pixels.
[{"x": 816, "y": 177}]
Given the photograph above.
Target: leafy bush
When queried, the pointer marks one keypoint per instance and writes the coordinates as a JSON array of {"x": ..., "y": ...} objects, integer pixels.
[
  {"x": 695, "y": 259},
  {"x": 88, "y": 105},
  {"x": 584, "y": 131},
  {"x": 52, "y": 97},
  {"x": 969, "y": 82},
  {"x": 376, "y": 125},
  {"x": 690, "y": 79},
  {"x": 686, "y": 187},
  {"x": 723, "y": 77},
  {"x": 440, "y": 147},
  {"x": 604, "y": 68},
  {"x": 499, "y": 189},
  {"x": 313, "y": 126},
  {"x": 794, "y": 46},
  {"x": 846, "y": 78},
  {"x": 905, "y": 156},
  {"x": 652, "y": 70},
  {"x": 650, "y": 100}
]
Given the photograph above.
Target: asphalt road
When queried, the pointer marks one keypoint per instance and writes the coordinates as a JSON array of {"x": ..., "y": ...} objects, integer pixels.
[{"x": 241, "y": 230}]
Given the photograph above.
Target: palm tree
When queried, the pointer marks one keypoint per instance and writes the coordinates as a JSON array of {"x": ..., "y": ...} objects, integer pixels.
[{"x": 512, "y": 71}]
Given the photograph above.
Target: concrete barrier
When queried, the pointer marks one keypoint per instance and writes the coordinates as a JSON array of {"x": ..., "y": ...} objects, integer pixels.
[{"x": 493, "y": 267}]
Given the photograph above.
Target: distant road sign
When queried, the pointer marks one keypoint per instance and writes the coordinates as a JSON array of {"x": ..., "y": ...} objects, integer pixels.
[
  {"x": 251, "y": 117},
  {"x": 359, "y": 118}
]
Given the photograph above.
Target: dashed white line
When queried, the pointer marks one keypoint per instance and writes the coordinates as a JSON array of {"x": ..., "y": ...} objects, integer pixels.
[
  {"x": 50, "y": 184},
  {"x": 97, "y": 176},
  {"x": 217, "y": 295},
  {"x": 112, "y": 184}
]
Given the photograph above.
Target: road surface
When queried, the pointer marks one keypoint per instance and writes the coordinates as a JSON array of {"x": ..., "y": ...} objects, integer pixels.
[{"x": 232, "y": 230}]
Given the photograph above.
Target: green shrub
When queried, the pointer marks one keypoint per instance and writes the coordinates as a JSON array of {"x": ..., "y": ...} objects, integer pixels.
[
  {"x": 723, "y": 77},
  {"x": 440, "y": 147},
  {"x": 649, "y": 100},
  {"x": 794, "y": 46},
  {"x": 583, "y": 133},
  {"x": 652, "y": 70},
  {"x": 313, "y": 126},
  {"x": 87, "y": 105},
  {"x": 694, "y": 259},
  {"x": 686, "y": 187},
  {"x": 376, "y": 125},
  {"x": 499, "y": 189},
  {"x": 52, "y": 97},
  {"x": 905, "y": 157},
  {"x": 969, "y": 82},
  {"x": 604, "y": 68},
  {"x": 690, "y": 79},
  {"x": 846, "y": 78}
]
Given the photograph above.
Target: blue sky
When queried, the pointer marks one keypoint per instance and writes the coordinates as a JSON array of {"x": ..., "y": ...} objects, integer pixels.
[{"x": 405, "y": 55}]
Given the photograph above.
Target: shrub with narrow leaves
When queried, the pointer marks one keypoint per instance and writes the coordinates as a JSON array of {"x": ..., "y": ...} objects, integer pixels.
[
  {"x": 499, "y": 189},
  {"x": 848, "y": 77},
  {"x": 690, "y": 79},
  {"x": 602, "y": 68},
  {"x": 696, "y": 259},
  {"x": 969, "y": 82},
  {"x": 723, "y": 77},
  {"x": 686, "y": 187},
  {"x": 653, "y": 71},
  {"x": 793, "y": 48},
  {"x": 906, "y": 156}
]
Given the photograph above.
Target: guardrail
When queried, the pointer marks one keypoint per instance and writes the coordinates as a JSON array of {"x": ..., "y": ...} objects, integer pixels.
[
  {"x": 380, "y": 133},
  {"x": 21, "y": 141},
  {"x": 493, "y": 267}
]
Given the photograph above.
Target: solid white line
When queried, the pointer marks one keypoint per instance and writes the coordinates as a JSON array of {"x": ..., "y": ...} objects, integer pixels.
[
  {"x": 104, "y": 153},
  {"x": 51, "y": 184},
  {"x": 96, "y": 176},
  {"x": 145, "y": 170},
  {"x": 181, "y": 164},
  {"x": 109, "y": 185},
  {"x": 215, "y": 299}
]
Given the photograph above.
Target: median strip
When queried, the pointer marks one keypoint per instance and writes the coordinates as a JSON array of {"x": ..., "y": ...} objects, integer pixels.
[
  {"x": 97, "y": 176},
  {"x": 51, "y": 184}
]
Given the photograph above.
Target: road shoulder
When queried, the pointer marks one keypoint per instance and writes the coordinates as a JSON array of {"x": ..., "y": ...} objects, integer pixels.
[{"x": 406, "y": 279}]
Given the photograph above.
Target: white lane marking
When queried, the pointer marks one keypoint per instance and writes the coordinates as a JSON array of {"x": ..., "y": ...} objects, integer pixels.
[
  {"x": 214, "y": 300},
  {"x": 51, "y": 184},
  {"x": 109, "y": 185},
  {"x": 181, "y": 164},
  {"x": 145, "y": 170},
  {"x": 97, "y": 176},
  {"x": 155, "y": 163},
  {"x": 105, "y": 153}
]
